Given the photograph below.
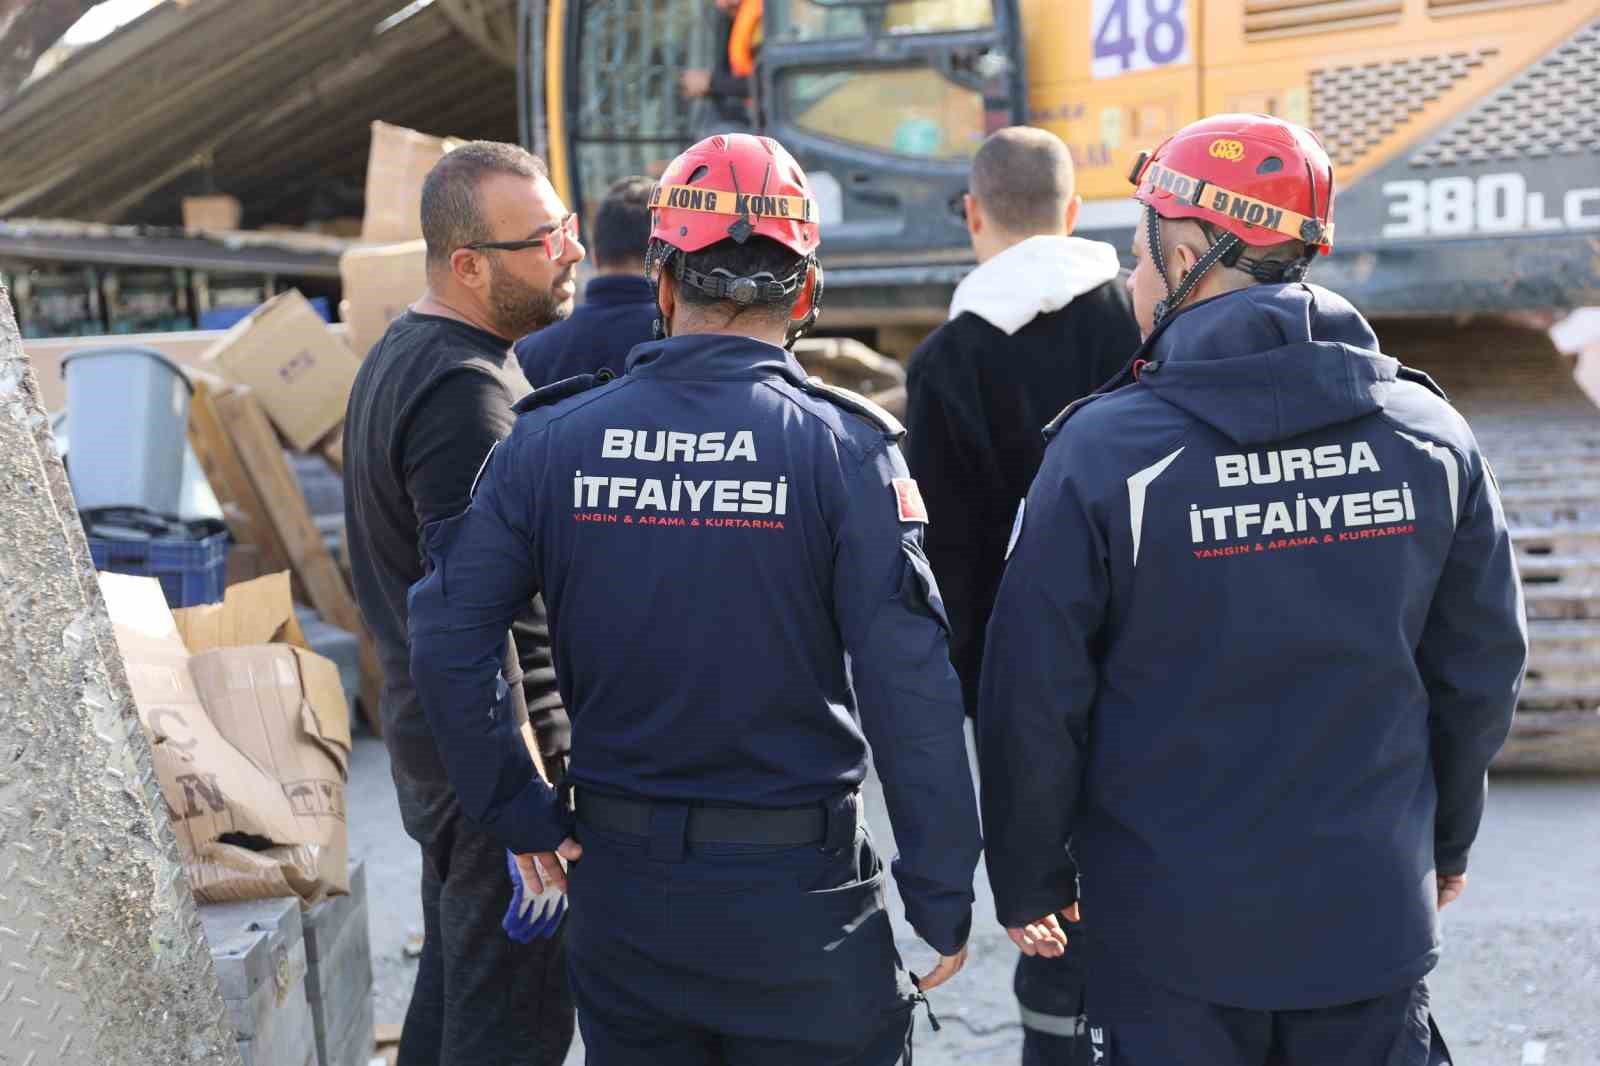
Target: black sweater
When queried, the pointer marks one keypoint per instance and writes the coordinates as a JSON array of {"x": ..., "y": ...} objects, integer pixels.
[{"x": 976, "y": 405}]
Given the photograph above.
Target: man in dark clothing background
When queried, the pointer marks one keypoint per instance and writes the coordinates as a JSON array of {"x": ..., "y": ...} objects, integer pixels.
[
  {"x": 619, "y": 304},
  {"x": 1042, "y": 321},
  {"x": 431, "y": 400}
]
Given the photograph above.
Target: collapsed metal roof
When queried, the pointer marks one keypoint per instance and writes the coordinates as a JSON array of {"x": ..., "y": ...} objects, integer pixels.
[{"x": 270, "y": 101}]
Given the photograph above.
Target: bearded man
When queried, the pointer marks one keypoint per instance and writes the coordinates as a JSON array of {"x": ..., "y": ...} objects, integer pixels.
[{"x": 431, "y": 400}]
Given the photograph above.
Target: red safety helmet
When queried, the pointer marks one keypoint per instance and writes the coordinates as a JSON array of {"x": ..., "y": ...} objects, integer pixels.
[
  {"x": 734, "y": 186},
  {"x": 1262, "y": 180}
]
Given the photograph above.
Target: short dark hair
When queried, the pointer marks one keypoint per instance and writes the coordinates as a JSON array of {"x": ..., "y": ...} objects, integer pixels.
[
  {"x": 622, "y": 224},
  {"x": 755, "y": 256},
  {"x": 1023, "y": 177},
  {"x": 451, "y": 213}
]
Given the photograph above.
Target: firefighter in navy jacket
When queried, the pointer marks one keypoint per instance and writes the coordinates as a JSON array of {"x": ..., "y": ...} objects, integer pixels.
[
  {"x": 1259, "y": 635},
  {"x": 714, "y": 534}
]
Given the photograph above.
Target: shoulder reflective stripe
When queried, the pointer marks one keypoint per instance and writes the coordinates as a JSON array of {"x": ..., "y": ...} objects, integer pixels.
[
  {"x": 481, "y": 468},
  {"x": 1137, "y": 484},
  {"x": 1051, "y": 1024},
  {"x": 1452, "y": 472},
  {"x": 1016, "y": 526}
]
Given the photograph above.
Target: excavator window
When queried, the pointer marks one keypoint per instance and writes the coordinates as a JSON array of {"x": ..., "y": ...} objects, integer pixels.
[
  {"x": 816, "y": 20},
  {"x": 909, "y": 111}
]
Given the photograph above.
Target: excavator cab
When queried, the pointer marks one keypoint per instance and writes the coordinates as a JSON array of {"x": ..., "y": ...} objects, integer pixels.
[{"x": 883, "y": 102}]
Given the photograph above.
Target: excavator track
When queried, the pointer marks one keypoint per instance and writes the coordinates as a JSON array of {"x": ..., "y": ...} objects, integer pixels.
[{"x": 1541, "y": 434}]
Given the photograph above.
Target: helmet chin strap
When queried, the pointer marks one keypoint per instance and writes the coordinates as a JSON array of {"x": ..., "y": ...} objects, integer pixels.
[
  {"x": 744, "y": 292},
  {"x": 1176, "y": 296}
]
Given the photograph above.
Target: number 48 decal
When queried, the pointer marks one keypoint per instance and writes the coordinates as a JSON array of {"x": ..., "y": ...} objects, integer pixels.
[{"x": 1132, "y": 35}]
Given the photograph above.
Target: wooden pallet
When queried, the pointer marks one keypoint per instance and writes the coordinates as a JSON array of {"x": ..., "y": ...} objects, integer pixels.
[{"x": 242, "y": 454}]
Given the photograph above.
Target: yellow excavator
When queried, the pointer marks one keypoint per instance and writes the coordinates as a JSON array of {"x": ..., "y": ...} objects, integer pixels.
[{"x": 1462, "y": 132}]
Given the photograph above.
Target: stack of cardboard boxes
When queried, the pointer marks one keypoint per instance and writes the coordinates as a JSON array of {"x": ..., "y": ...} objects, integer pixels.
[
  {"x": 251, "y": 740},
  {"x": 381, "y": 279}
]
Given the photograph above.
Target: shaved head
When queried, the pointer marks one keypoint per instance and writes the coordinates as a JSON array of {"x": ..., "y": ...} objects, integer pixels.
[{"x": 1022, "y": 177}]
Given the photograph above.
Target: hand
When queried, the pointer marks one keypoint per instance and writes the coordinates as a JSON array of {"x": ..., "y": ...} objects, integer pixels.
[
  {"x": 1044, "y": 938},
  {"x": 1450, "y": 889},
  {"x": 544, "y": 869},
  {"x": 695, "y": 83},
  {"x": 537, "y": 903},
  {"x": 948, "y": 967}
]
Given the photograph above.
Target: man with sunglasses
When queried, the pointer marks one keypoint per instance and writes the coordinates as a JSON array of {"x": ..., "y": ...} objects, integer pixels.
[{"x": 431, "y": 400}]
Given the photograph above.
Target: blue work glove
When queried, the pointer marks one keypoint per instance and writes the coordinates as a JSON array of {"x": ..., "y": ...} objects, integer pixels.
[{"x": 532, "y": 913}]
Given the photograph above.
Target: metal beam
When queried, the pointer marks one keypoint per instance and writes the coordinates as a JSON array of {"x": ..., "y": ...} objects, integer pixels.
[
  {"x": 491, "y": 25},
  {"x": 103, "y": 956},
  {"x": 106, "y": 58}
]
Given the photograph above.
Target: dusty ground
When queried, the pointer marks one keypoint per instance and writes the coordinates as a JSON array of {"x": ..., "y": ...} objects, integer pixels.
[{"x": 1520, "y": 981}]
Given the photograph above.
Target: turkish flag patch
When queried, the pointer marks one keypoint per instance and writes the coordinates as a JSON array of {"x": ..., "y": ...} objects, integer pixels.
[{"x": 909, "y": 500}]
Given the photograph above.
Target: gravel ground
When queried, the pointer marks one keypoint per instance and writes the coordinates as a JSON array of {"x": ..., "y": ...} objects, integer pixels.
[{"x": 1519, "y": 984}]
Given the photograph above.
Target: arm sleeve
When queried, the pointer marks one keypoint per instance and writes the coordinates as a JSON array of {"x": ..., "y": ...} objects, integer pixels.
[
  {"x": 551, "y": 725},
  {"x": 1472, "y": 656},
  {"x": 479, "y": 577},
  {"x": 446, "y": 439},
  {"x": 890, "y": 617},
  {"x": 729, "y": 86},
  {"x": 1040, "y": 681},
  {"x": 941, "y": 449}
]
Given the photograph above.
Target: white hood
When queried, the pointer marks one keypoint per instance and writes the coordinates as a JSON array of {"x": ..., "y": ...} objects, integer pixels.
[{"x": 1034, "y": 277}]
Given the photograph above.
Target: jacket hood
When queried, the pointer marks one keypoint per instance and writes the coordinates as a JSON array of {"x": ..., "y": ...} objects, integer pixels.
[
  {"x": 1032, "y": 278},
  {"x": 1270, "y": 362}
]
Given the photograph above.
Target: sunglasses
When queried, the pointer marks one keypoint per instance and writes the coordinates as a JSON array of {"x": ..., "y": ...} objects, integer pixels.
[{"x": 554, "y": 242}]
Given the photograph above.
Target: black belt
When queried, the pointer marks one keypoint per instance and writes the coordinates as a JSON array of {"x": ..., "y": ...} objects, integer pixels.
[{"x": 780, "y": 826}]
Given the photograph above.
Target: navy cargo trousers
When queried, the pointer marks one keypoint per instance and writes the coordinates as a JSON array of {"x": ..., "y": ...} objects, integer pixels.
[{"x": 688, "y": 954}]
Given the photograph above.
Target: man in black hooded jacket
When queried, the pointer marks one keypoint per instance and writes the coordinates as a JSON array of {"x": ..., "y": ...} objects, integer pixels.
[{"x": 1044, "y": 320}]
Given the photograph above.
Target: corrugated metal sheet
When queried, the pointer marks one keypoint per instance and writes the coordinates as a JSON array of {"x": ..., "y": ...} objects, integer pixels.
[{"x": 267, "y": 100}]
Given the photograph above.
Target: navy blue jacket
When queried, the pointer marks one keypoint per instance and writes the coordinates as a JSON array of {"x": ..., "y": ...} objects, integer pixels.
[
  {"x": 618, "y": 311},
  {"x": 1258, "y": 638},
  {"x": 713, "y": 536}
]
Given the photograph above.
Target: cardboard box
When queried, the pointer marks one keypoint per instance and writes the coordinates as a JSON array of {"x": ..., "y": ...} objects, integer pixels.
[
  {"x": 283, "y": 708},
  {"x": 379, "y": 284},
  {"x": 299, "y": 370},
  {"x": 398, "y": 162},
  {"x": 211, "y": 212},
  {"x": 251, "y": 741},
  {"x": 211, "y": 788}
]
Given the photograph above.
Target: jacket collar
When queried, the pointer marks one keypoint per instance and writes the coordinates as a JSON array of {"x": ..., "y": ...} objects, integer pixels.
[
  {"x": 614, "y": 290},
  {"x": 713, "y": 356}
]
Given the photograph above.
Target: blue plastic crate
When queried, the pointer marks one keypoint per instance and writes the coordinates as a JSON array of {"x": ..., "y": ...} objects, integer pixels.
[{"x": 191, "y": 571}]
